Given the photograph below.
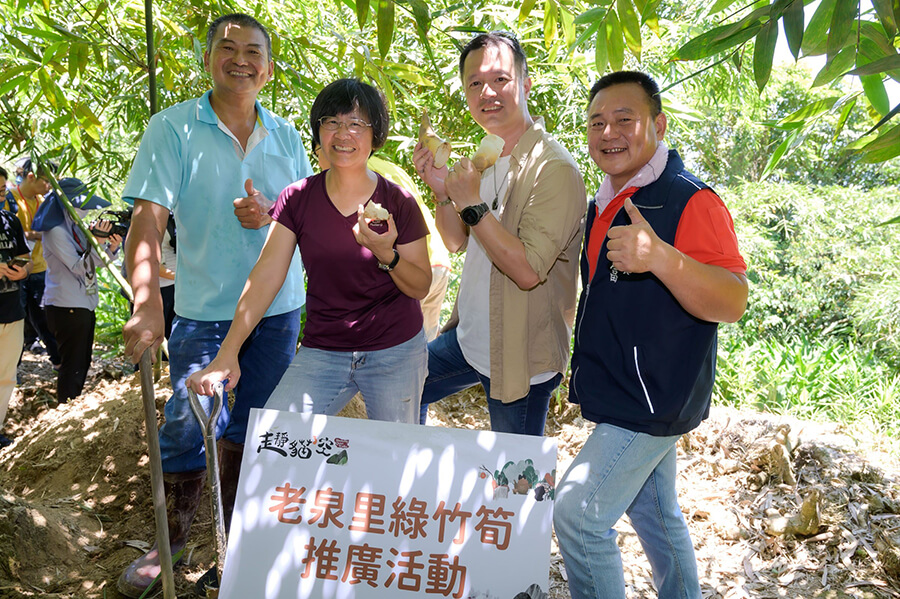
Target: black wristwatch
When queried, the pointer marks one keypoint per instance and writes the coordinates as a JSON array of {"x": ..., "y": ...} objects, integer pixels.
[
  {"x": 390, "y": 267},
  {"x": 472, "y": 215}
]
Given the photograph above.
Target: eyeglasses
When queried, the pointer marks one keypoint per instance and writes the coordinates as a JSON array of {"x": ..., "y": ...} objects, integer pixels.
[{"x": 354, "y": 126}]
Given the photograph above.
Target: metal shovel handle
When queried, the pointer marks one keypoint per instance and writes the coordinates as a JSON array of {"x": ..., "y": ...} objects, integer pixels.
[
  {"x": 156, "y": 477},
  {"x": 208, "y": 427}
]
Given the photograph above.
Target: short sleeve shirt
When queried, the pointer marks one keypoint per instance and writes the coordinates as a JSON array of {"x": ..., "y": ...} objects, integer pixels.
[
  {"x": 705, "y": 231},
  {"x": 352, "y": 305},
  {"x": 189, "y": 165}
]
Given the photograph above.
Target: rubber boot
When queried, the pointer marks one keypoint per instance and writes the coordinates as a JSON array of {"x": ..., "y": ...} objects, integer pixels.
[
  {"x": 183, "y": 491},
  {"x": 230, "y": 456}
]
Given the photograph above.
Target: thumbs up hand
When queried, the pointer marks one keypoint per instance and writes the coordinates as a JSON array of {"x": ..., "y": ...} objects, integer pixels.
[
  {"x": 252, "y": 210},
  {"x": 634, "y": 247}
]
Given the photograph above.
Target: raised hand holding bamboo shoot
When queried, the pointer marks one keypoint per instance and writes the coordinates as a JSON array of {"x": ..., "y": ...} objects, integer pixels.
[
  {"x": 488, "y": 152},
  {"x": 438, "y": 147}
]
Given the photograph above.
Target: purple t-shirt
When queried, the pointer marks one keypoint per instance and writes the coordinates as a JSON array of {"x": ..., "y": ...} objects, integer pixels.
[{"x": 351, "y": 304}]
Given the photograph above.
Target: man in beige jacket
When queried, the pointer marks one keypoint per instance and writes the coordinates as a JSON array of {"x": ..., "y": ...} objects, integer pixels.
[{"x": 520, "y": 223}]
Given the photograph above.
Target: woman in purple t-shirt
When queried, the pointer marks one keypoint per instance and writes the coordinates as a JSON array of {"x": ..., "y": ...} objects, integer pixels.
[{"x": 364, "y": 277}]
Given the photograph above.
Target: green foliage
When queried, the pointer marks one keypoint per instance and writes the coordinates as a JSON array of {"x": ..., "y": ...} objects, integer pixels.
[
  {"x": 821, "y": 335},
  {"x": 809, "y": 251},
  {"x": 112, "y": 313}
]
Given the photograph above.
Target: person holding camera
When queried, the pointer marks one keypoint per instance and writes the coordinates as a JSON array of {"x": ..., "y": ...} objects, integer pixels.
[
  {"x": 15, "y": 264},
  {"x": 71, "y": 293}
]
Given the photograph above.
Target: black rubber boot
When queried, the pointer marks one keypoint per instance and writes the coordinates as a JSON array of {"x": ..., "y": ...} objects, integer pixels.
[
  {"x": 230, "y": 456},
  {"x": 183, "y": 491}
]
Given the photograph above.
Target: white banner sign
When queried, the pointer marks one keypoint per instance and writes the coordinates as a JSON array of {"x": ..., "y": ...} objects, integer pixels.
[{"x": 331, "y": 507}]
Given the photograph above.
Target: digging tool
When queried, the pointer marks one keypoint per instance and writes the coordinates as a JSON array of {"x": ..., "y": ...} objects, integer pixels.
[
  {"x": 208, "y": 427},
  {"x": 156, "y": 478}
]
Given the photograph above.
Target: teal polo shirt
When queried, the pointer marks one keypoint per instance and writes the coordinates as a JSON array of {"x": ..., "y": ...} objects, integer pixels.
[{"x": 189, "y": 165}]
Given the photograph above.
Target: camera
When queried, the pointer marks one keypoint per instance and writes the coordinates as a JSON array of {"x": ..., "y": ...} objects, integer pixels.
[{"x": 120, "y": 220}]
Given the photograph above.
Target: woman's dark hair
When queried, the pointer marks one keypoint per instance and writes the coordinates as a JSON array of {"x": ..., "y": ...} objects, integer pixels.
[{"x": 341, "y": 97}]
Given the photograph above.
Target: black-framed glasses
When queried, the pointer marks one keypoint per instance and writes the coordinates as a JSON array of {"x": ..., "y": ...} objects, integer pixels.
[{"x": 354, "y": 126}]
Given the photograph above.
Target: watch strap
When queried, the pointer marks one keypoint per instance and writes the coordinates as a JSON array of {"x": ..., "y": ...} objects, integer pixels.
[{"x": 390, "y": 267}]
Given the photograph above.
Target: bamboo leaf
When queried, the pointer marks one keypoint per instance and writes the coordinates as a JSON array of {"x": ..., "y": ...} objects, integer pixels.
[
  {"x": 836, "y": 67},
  {"x": 385, "y": 26},
  {"x": 815, "y": 37},
  {"x": 631, "y": 27},
  {"x": 813, "y": 109},
  {"x": 649, "y": 17},
  {"x": 779, "y": 152},
  {"x": 885, "y": 147},
  {"x": 615, "y": 44},
  {"x": 712, "y": 43},
  {"x": 525, "y": 10},
  {"x": 601, "y": 54},
  {"x": 894, "y": 112},
  {"x": 13, "y": 83},
  {"x": 592, "y": 15},
  {"x": 875, "y": 92},
  {"x": 567, "y": 22},
  {"x": 842, "y": 120},
  {"x": 73, "y": 61},
  {"x": 591, "y": 30},
  {"x": 845, "y": 12},
  {"x": 764, "y": 52},
  {"x": 362, "y": 12},
  {"x": 23, "y": 48},
  {"x": 422, "y": 16},
  {"x": 549, "y": 22},
  {"x": 720, "y": 5},
  {"x": 882, "y": 65},
  {"x": 45, "y": 34},
  {"x": 792, "y": 21},
  {"x": 885, "y": 10}
]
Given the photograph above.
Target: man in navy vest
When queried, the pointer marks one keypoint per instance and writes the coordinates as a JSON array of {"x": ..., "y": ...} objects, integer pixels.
[{"x": 660, "y": 269}]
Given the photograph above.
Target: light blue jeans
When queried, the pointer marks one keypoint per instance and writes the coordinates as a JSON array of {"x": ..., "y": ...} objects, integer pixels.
[
  {"x": 192, "y": 346},
  {"x": 323, "y": 382},
  {"x": 619, "y": 471}
]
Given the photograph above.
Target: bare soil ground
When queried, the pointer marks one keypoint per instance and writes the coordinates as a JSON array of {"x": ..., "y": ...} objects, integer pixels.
[{"x": 777, "y": 508}]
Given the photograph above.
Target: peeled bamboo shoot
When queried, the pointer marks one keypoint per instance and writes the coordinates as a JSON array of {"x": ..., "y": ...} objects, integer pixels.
[
  {"x": 439, "y": 148},
  {"x": 375, "y": 211},
  {"x": 488, "y": 152}
]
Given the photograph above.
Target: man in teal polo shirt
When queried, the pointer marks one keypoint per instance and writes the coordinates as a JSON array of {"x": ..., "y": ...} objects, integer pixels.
[{"x": 215, "y": 162}]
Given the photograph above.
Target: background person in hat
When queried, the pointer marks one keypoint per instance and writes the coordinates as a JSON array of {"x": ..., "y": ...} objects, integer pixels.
[
  {"x": 28, "y": 193},
  {"x": 70, "y": 294}
]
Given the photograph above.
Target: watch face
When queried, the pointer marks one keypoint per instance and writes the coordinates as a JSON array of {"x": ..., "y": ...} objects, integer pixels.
[{"x": 471, "y": 215}]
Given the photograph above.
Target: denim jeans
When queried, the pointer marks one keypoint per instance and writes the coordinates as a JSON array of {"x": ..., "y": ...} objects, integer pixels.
[
  {"x": 323, "y": 382},
  {"x": 192, "y": 346},
  {"x": 619, "y": 471},
  {"x": 448, "y": 373}
]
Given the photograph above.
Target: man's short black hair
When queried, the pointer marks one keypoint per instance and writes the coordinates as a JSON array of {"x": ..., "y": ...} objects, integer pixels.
[
  {"x": 495, "y": 38},
  {"x": 39, "y": 168},
  {"x": 3, "y": 173},
  {"x": 643, "y": 79},
  {"x": 341, "y": 97},
  {"x": 238, "y": 19}
]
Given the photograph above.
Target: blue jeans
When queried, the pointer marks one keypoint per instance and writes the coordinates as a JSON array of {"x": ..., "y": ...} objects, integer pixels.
[
  {"x": 619, "y": 471},
  {"x": 323, "y": 382},
  {"x": 192, "y": 346},
  {"x": 449, "y": 373}
]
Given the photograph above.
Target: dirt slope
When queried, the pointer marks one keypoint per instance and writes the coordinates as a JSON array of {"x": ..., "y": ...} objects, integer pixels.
[{"x": 777, "y": 508}]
